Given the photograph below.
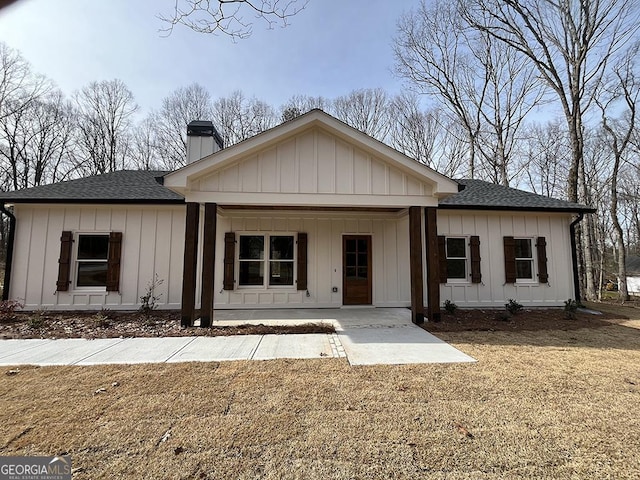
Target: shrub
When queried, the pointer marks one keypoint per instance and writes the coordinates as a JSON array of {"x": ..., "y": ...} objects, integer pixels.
[
  {"x": 570, "y": 309},
  {"x": 450, "y": 307},
  {"x": 37, "y": 320},
  {"x": 8, "y": 309},
  {"x": 513, "y": 307},
  {"x": 100, "y": 320},
  {"x": 149, "y": 301}
]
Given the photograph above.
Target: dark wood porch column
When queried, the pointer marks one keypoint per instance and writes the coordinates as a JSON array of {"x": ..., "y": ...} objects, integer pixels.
[
  {"x": 190, "y": 264},
  {"x": 415, "y": 264},
  {"x": 433, "y": 268},
  {"x": 208, "y": 263}
]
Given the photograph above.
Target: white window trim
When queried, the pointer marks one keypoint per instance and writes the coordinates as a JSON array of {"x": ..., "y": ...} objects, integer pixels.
[
  {"x": 533, "y": 259},
  {"x": 467, "y": 259},
  {"x": 76, "y": 262},
  {"x": 265, "y": 286}
]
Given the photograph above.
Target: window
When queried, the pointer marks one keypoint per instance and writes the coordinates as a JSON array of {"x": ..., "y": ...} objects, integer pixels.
[
  {"x": 93, "y": 252},
  {"x": 524, "y": 258},
  {"x": 456, "y": 254},
  {"x": 459, "y": 259},
  {"x": 270, "y": 254}
]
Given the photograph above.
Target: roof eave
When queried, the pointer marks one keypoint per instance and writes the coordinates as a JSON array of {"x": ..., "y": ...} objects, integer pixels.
[
  {"x": 93, "y": 201},
  {"x": 518, "y": 209}
]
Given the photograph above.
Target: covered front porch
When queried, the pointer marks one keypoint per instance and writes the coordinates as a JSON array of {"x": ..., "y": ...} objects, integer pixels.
[
  {"x": 338, "y": 257},
  {"x": 312, "y": 213}
]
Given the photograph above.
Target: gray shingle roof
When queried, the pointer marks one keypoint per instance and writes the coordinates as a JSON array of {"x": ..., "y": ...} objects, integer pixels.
[
  {"x": 125, "y": 186},
  {"x": 141, "y": 186},
  {"x": 480, "y": 195}
]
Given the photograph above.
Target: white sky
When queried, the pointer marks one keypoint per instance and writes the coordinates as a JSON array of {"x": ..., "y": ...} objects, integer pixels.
[{"x": 330, "y": 48}]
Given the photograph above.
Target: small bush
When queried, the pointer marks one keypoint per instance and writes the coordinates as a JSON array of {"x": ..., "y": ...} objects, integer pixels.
[
  {"x": 570, "y": 309},
  {"x": 149, "y": 301},
  {"x": 37, "y": 320},
  {"x": 8, "y": 309},
  {"x": 513, "y": 307},
  {"x": 100, "y": 320},
  {"x": 450, "y": 307}
]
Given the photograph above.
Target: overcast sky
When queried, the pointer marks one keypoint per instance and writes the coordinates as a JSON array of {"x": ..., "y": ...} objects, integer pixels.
[{"x": 329, "y": 49}]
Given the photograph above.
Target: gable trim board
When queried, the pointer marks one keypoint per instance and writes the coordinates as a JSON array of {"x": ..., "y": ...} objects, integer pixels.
[{"x": 315, "y": 179}]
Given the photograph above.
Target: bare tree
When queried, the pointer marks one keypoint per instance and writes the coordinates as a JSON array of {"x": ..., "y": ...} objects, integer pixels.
[
  {"x": 144, "y": 151},
  {"x": 432, "y": 55},
  {"x": 51, "y": 149},
  {"x": 569, "y": 42},
  {"x": 37, "y": 142},
  {"x": 19, "y": 85},
  {"x": 621, "y": 92},
  {"x": 228, "y": 16},
  {"x": 105, "y": 115},
  {"x": 368, "y": 110},
  {"x": 414, "y": 131},
  {"x": 546, "y": 159},
  {"x": 178, "y": 109},
  {"x": 300, "y": 104},
  {"x": 511, "y": 91},
  {"x": 238, "y": 118},
  {"x": 487, "y": 86}
]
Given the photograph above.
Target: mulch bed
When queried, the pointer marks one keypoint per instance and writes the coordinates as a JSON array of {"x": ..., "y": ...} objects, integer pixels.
[
  {"x": 525, "y": 320},
  {"x": 93, "y": 325}
]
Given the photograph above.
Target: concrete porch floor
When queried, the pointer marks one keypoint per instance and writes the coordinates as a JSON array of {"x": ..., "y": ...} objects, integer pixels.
[{"x": 366, "y": 336}]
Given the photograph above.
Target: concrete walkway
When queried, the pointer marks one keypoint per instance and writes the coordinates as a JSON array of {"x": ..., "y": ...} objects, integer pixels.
[{"x": 366, "y": 336}]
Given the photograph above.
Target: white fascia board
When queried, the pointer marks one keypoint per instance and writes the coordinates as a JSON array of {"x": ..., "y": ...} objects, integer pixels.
[{"x": 312, "y": 199}]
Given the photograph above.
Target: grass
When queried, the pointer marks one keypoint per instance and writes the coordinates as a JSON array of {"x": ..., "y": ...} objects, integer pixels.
[{"x": 538, "y": 404}]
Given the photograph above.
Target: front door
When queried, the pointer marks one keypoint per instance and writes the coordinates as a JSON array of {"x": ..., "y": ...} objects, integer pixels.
[{"x": 356, "y": 270}]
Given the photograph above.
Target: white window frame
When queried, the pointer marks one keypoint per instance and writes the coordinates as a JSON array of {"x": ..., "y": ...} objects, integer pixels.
[
  {"x": 267, "y": 260},
  {"x": 77, "y": 261},
  {"x": 467, "y": 258},
  {"x": 531, "y": 259}
]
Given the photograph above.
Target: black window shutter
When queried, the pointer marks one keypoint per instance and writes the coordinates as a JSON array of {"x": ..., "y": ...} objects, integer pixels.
[
  {"x": 302, "y": 261},
  {"x": 64, "y": 262},
  {"x": 509, "y": 259},
  {"x": 229, "y": 259},
  {"x": 541, "y": 245},
  {"x": 442, "y": 259},
  {"x": 476, "y": 275},
  {"x": 113, "y": 262}
]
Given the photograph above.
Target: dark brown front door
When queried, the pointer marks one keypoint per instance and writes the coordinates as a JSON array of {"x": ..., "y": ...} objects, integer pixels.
[{"x": 356, "y": 270}]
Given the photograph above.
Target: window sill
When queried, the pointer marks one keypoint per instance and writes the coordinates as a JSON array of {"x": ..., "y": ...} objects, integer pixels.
[{"x": 245, "y": 288}]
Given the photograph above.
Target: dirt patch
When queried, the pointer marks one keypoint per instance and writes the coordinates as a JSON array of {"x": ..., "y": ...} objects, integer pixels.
[
  {"x": 93, "y": 325},
  {"x": 463, "y": 320}
]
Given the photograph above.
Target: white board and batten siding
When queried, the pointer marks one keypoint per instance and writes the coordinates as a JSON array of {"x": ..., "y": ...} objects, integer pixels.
[
  {"x": 491, "y": 227},
  {"x": 312, "y": 168},
  {"x": 152, "y": 243},
  {"x": 390, "y": 258}
]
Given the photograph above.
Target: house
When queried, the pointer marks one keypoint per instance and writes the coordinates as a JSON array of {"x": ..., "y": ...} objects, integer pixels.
[
  {"x": 311, "y": 213},
  {"x": 633, "y": 274}
]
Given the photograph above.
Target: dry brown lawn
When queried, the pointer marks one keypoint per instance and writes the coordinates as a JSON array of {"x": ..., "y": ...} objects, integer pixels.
[{"x": 538, "y": 404}]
